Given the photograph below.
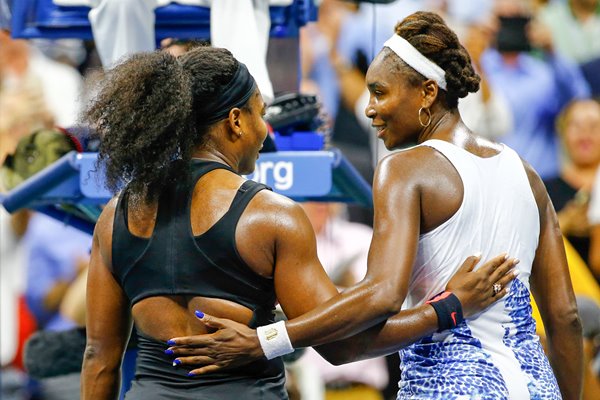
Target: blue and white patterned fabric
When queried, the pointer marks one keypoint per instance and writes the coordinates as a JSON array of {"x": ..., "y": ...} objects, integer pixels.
[{"x": 495, "y": 354}]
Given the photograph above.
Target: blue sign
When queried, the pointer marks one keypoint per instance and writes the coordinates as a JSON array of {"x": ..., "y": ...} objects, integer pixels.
[
  {"x": 291, "y": 173},
  {"x": 295, "y": 174}
]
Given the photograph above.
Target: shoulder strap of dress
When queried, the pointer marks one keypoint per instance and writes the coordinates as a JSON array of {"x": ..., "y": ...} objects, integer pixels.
[{"x": 243, "y": 196}]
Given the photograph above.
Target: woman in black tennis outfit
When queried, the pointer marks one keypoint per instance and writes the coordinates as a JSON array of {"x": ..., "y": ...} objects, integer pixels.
[{"x": 188, "y": 232}]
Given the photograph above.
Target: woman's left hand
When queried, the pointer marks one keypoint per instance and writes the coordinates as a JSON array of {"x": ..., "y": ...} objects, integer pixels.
[
  {"x": 231, "y": 345},
  {"x": 478, "y": 289}
]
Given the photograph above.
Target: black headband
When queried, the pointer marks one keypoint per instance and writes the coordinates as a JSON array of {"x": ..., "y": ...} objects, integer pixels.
[{"x": 235, "y": 94}]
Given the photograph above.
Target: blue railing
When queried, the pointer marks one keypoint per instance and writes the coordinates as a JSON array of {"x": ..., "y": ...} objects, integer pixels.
[{"x": 44, "y": 19}]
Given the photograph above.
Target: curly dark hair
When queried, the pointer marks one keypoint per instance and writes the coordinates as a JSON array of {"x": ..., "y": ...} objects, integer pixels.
[
  {"x": 146, "y": 114},
  {"x": 429, "y": 34}
]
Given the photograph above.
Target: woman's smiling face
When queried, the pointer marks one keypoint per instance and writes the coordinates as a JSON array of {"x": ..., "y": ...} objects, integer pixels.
[{"x": 393, "y": 102}]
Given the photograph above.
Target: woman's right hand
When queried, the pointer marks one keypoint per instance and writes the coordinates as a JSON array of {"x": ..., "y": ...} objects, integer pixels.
[{"x": 475, "y": 289}]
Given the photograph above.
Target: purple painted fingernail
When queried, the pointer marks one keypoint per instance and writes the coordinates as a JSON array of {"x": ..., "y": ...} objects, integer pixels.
[
  {"x": 171, "y": 342},
  {"x": 176, "y": 362},
  {"x": 191, "y": 374},
  {"x": 199, "y": 314},
  {"x": 169, "y": 352}
]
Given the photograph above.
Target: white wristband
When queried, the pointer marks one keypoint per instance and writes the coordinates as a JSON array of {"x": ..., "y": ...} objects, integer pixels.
[{"x": 274, "y": 340}]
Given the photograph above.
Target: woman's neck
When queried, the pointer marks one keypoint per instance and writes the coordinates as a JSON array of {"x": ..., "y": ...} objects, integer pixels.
[
  {"x": 579, "y": 177},
  {"x": 450, "y": 128},
  {"x": 212, "y": 154},
  {"x": 443, "y": 125}
]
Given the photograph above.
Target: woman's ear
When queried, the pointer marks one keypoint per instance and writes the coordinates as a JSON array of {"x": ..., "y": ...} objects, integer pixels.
[
  {"x": 235, "y": 122},
  {"x": 429, "y": 93}
]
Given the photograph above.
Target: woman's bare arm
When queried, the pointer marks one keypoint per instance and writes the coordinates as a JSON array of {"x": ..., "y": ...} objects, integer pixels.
[
  {"x": 553, "y": 293},
  {"x": 409, "y": 326},
  {"x": 108, "y": 319},
  {"x": 380, "y": 295}
]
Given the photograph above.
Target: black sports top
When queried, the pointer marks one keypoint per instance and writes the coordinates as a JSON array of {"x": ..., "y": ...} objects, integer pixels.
[{"x": 175, "y": 262}]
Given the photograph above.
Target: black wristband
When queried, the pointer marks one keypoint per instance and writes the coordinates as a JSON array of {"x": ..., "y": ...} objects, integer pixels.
[{"x": 448, "y": 309}]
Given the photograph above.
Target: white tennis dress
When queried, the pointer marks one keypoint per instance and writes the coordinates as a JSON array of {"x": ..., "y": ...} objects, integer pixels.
[{"x": 495, "y": 354}]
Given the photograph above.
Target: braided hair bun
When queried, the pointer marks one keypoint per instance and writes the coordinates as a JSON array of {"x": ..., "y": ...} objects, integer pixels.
[{"x": 429, "y": 34}]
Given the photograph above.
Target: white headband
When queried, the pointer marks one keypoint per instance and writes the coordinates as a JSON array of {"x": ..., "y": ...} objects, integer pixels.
[{"x": 416, "y": 60}]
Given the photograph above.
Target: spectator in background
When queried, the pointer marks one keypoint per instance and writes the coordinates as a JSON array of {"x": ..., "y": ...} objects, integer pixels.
[
  {"x": 23, "y": 66},
  {"x": 15, "y": 320},
  {"x": 316, "y": 43},
  {"x": 58, "y": 256},
  {"x": 466, "y": 10},
  {"x": 486, "y": 111},
  {"x": 578, "y": 126},
  {"x": 342, "y": 248},
  {"x": 536, "y": 88},
  {"x": 70, "y": 52},
  {"x": 575, "y": 28},
  {"x": 22, "y": 110}
]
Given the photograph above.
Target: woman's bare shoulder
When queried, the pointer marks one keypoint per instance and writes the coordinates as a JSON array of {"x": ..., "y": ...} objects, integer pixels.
[
  {"x": 407, "y": 165},
  {"x": 104, "y": 225},
  {"x": 274, "y": 209}
]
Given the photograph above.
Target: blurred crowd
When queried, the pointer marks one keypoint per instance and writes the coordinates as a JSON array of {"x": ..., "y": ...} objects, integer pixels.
[{"x": 540, "y": 68}]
